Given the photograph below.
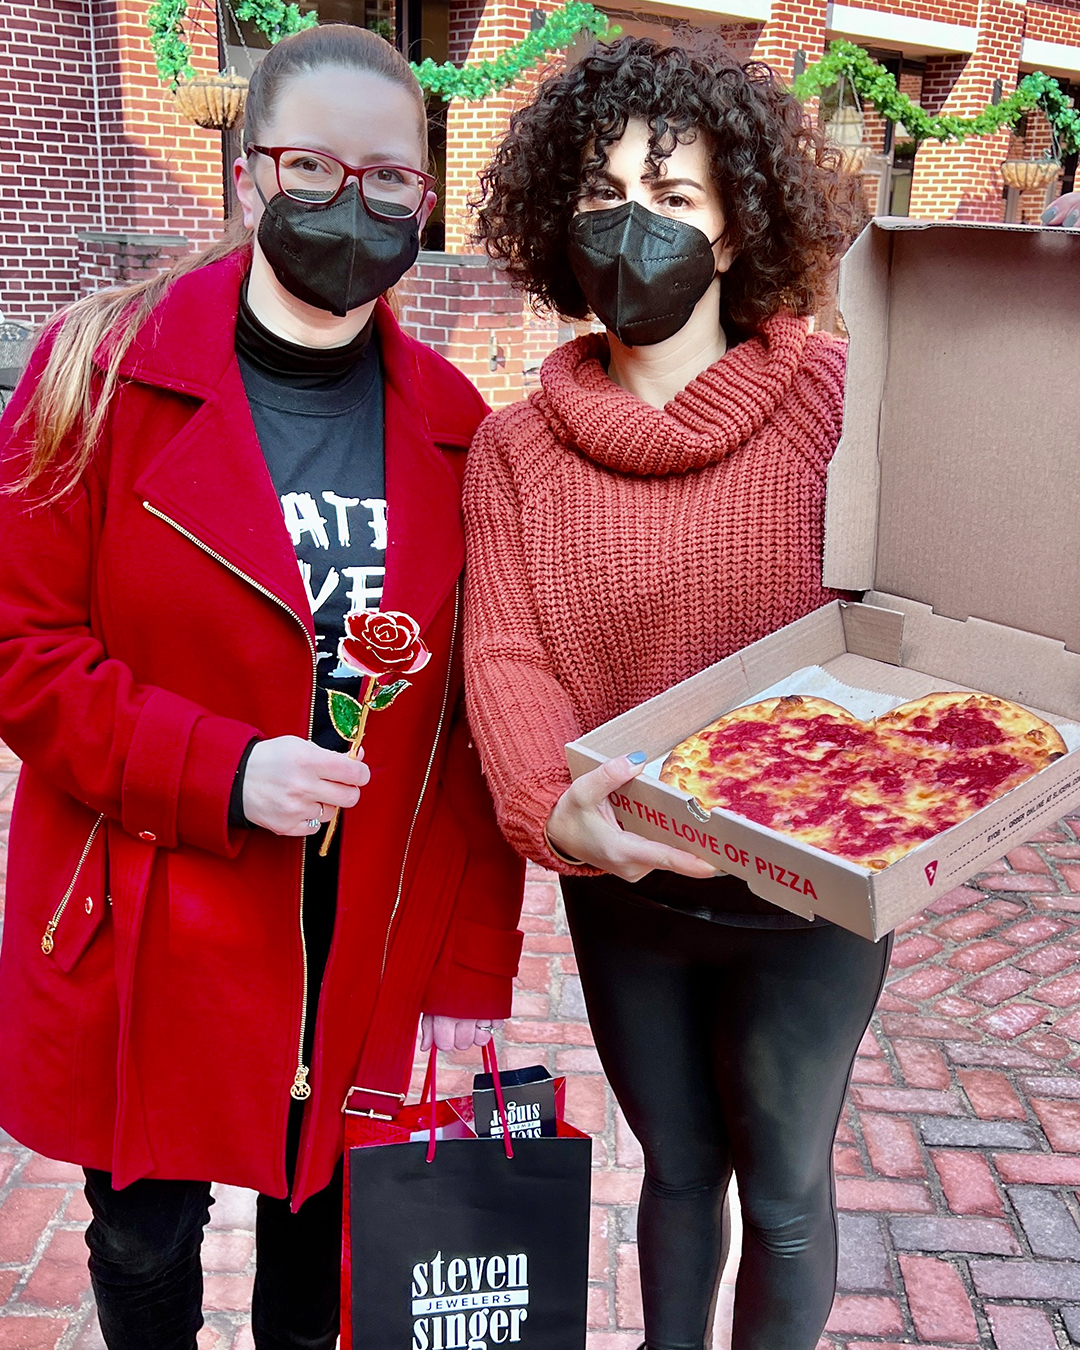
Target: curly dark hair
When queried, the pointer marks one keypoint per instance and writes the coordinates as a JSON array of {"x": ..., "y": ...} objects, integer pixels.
[{"x": 790, "y": 211}]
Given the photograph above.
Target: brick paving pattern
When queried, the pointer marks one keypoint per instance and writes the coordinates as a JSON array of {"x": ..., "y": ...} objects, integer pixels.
[{"x": 958, "y": 1158}]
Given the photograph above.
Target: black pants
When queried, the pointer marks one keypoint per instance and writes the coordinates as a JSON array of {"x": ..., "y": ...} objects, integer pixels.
[
  {"x": 147, "y": 1276},
  {"x": 145, "y": 1240},
  {"x": 729, "y": 1049}
]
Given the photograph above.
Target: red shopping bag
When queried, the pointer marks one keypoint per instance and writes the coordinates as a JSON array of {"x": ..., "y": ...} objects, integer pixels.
[{"x": 454, "y": 1242}]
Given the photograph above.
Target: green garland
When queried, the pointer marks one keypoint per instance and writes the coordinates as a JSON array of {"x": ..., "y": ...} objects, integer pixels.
[
  {"x": 172, "y": 53},
  {"x": 168, "y": 41},
  {"x": 876, "y": 85},
  {"x": 483, "y": 78}
]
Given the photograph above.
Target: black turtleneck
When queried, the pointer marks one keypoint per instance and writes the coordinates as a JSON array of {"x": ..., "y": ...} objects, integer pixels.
[
  {"x": 318, "y": 414},
  {"x": 288, "y": 362}
]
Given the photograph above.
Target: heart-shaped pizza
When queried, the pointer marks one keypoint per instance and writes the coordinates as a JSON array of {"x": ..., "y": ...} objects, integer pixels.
[{"x": 866, "y": 791}]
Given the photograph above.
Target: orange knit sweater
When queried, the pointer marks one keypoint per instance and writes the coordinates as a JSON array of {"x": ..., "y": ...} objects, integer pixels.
[{"x": 615, "y": 548}]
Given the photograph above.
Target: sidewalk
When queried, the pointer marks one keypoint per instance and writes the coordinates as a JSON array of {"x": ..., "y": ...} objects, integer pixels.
[{"x": 958, "y": 1161}]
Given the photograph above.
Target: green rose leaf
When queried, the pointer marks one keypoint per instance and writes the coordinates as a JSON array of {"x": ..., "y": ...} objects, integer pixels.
[
  {"x": 344, "y": 713},
  {"x": 387, "y": 693}
]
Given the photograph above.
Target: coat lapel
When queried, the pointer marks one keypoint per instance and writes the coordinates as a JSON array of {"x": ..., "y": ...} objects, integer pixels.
[
  {"x": 211, "y": 478},
  {"x": 425, "y": 537}
]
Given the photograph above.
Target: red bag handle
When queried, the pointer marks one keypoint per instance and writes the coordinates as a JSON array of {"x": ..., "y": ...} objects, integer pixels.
[
  {"x": 491, "y": 1066},
  {"x": 429, "y": 1086}
]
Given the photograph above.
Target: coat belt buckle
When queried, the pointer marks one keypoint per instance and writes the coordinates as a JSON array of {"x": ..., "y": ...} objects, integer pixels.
[{"x": 346, "y": 1110}]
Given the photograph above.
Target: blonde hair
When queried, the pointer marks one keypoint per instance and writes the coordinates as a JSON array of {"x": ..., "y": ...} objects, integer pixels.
[{"x": 67, "y": 408}]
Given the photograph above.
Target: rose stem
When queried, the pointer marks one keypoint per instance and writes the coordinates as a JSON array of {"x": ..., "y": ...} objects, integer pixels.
[{"x": 354, "y": 749}]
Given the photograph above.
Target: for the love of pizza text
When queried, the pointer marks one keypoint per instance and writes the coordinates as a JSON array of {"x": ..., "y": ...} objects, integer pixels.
[{"x": 693, "y": 834}]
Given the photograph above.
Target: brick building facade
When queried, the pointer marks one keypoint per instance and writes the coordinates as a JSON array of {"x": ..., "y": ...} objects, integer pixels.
[{"x": 101, "y": 178}]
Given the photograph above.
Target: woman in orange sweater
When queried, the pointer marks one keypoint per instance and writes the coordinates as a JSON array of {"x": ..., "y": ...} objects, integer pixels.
[{"x": 656, "y": 505}]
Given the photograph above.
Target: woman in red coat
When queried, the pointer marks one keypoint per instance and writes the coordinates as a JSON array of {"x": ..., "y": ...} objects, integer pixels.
[{"x": 188, "y": 992}]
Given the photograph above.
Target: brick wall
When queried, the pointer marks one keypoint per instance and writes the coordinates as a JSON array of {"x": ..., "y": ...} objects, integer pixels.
[
  {"x": 795, "y": 25},
  {"x": 156, "y": 173},
  {"x": 742, "y": 38},
  {"x": 939, "y": 80},
  {"x": 115, "y": 258},
  {"x": 48, "y": 169},
  {"x": 498, "y": 342},
  {"x": 173, "y": 173},
  {"x": 463, "y": 307},
  {"x": 937, "y": 11},
  {"x": 963, "y": 182},
  {"x": 1054, "y": 22},
  {"x": 480, "y": 32}
]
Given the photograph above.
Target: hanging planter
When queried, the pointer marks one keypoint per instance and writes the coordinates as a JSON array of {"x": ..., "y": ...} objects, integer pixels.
[
  {"x": 1027, "y": 174},
  {"x": 845, "y": 132},
  {"x": 212, "y": 101}
]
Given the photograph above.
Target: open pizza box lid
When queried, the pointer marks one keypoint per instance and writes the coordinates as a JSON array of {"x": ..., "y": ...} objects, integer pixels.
[
  {"x": 957, "y": 479},
  {"x": 953, "y": 504}
]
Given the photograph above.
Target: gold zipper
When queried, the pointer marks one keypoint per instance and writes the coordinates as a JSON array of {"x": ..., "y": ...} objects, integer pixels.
[
  {"x": 50, "y": 928},
  {"x": 424, "y": 784},
  {"x": 301, "y": 1088}
]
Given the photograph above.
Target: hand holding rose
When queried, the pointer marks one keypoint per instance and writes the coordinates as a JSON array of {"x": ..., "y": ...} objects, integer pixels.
[{"x": 289, "y": 782}]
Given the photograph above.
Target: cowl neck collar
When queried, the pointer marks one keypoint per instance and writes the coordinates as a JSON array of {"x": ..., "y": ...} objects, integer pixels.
[{"x": 718, "y": 411}]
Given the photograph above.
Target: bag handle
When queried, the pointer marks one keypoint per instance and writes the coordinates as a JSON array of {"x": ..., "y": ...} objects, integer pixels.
[
  {"x": 491, "y": 1066},
  {"x": 429, "y": 1086},
  {"x": 430, "y": 1093}
]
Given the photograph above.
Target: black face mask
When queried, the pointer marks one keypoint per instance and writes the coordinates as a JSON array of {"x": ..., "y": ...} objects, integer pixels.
[
  {"x": 335, "y": 257},
  {"x": 641, "y": 273}
]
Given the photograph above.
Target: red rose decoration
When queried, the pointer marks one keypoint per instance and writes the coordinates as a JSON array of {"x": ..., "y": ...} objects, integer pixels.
[{"x": 383, "y": 642}]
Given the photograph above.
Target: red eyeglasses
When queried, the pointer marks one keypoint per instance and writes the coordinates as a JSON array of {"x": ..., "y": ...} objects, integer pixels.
[{"x": 387, "y": 190}]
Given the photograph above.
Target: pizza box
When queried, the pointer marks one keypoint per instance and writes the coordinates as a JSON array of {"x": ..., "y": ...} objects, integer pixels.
[{"x": 952, "y": 509}]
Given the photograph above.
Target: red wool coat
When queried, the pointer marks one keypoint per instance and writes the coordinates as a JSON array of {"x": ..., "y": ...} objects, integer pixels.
[{"x": 151, "y": 977}]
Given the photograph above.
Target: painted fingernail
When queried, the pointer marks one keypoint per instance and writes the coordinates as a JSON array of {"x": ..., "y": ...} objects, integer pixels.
[
  {"x": 1049, "y": 214},
  {"x": 638, "y": 757},
  {"x": 1071, "y": 219}
]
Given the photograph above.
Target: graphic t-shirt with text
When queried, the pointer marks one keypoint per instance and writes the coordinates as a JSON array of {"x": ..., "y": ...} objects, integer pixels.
[{"x": 324, "y": 450}]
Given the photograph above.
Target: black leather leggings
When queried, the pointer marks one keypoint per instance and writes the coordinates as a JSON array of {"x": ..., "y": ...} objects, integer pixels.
[{"x": 729, "y": 1049}]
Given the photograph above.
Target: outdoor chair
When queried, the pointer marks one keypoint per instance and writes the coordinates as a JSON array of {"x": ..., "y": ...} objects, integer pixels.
[{"x": 15, "y": 340}]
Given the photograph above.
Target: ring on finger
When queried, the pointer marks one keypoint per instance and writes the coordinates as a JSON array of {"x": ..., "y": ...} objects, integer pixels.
[
  {"x": 313, "y": 823},
  {"x": 485, "y": 1026}
]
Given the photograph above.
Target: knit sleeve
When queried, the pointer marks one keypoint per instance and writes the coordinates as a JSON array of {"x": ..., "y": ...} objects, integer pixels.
[
  {"x": 519, "y": 713},
  {"x": 815, "y": 409}
]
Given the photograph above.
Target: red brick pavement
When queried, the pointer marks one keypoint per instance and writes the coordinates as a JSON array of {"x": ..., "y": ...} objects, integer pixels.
[{"x": 958, "y": 1158}]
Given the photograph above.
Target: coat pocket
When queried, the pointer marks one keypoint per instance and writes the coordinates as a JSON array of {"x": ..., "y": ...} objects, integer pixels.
[{"x": 81, "y": 909}]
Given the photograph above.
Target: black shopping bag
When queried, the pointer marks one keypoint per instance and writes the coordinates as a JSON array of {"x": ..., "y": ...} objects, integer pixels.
[{"x": 451, "y": 1244}]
